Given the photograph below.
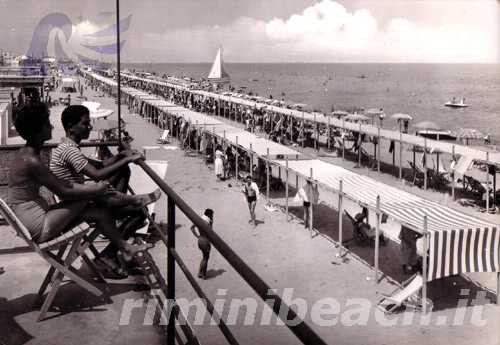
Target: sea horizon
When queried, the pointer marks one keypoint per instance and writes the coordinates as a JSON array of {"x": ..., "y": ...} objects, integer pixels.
[{"x": 418, "y": 89}]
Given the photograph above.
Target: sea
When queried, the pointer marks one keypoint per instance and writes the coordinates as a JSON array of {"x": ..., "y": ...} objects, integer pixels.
[{"x": 420, "y": 90}]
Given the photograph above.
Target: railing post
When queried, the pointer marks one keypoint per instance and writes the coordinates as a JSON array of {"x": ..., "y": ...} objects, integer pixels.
[
  {"x": 453, "y": 174},
  {"x": 250, "y": 156},
  {"x": 377, "y": 240},
  {"x": 400, "y": 155},
  {"x": 236, "y": 158},
  {"x": 196, "y": 146},
  {"x": 488, "y": 183},
  {"x": 343, "y": 138},
  {"x": 171, "y": 272},
  {"x": 329, "y": 134},
  {"x": 311, "y": 203},
  {"x": 378, "y": 150},
  {"x": 286, "y": 187},
  {"x": 340, "y": 216},
  {"x": 303, "y": 130},
  {"x": 424, "y": 266},
  {"x": 267, "y": 176},
  {"x": 425, "y": 163},
  {"x": 296, "y": 177}
]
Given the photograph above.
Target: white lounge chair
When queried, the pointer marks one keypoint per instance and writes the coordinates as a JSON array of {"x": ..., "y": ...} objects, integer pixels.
[
  {"x": 408, "y": 296},
  {"x": 164, "y": 137}
]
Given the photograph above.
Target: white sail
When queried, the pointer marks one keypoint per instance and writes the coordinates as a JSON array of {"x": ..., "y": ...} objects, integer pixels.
[{"x": 217, "y": 73}]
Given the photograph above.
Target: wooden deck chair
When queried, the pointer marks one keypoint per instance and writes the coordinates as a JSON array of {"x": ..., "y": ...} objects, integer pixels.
[
  {"x": 437, "y": 180},
  {"x": 164, "y": 137},
  {"x": 358, "y": 234},
  {"x": 407, "y": 297},
  {"x": 417, "y": 175},
  {"x": 365, "y": 156},
  {"x": 60, "y": 264},
  {"x": 473, "y": 185}
]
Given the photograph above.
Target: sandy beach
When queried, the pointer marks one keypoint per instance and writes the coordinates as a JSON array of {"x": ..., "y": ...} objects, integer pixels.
[
  {"x": 286, "y": 256},
  {"x": 281, "y": 251}
]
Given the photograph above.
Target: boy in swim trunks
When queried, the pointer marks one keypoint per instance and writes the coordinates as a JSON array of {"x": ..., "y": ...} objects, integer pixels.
[{"x": 251, "y": 192}]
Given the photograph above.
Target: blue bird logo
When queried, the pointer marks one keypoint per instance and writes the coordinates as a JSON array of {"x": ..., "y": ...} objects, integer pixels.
[{"x": 92, "y": 38}]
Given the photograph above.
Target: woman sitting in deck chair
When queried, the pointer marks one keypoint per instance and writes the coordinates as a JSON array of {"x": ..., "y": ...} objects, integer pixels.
[
  {"x": 362, "y": 231},
  {"x": 28, "y": 173}
]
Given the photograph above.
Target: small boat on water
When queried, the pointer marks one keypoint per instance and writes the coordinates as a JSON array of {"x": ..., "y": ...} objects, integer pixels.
[
  {"x": 454, "y": 104},
  {"x": 437, "y": 134}
]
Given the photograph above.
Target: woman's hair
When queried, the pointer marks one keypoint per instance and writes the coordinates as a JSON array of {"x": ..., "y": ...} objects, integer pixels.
[{"x": 30, "y": 120}]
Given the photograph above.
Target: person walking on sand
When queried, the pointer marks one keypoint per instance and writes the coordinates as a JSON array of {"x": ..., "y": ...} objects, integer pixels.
[
  {"x": 203, "y": 242},
  {"x": 309, "y": 195},
  {"x": 251, "y": 192},
  {"x": 219, "y": 163}
]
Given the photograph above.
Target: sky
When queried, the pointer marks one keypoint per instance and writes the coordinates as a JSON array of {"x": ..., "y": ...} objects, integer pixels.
[{"x": 405, "y": 31}]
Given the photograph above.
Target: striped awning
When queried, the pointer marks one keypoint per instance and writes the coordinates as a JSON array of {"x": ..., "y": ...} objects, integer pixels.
[{"x": 458, "y": 242}]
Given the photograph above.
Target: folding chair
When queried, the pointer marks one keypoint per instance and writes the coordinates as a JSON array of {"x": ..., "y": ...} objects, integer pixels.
[
  {"x": 476, "y": 187},
  {"x": 365, "y": 156},
  {"x": 164, "y": 137},
  {"x": 417, "y": 174},
  {"x": 357, "y": 233},
  {"x": 437, "y": 180},
  {"x": 407, "y": 297},
  {"x": 60, "y": 265}
]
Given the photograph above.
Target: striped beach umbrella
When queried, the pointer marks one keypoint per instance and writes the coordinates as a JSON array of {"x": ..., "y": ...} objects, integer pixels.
[{"x": 469, "y": 134}]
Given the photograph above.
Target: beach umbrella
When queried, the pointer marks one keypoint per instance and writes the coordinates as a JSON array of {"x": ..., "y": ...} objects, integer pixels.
[
  {"x": 356, "y": 117},
  {"x": 427, "y": 125},
  {"x": 339, "y": 113},
  {"x": 299, "y": 105},
  {"x": 469, "y": 134},
  {"x": 400, "y": 116},
  {"x": 373, "y": 112}
]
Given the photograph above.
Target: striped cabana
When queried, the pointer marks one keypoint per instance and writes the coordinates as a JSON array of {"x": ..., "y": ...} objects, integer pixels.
[{"x": 458, "y": 243}]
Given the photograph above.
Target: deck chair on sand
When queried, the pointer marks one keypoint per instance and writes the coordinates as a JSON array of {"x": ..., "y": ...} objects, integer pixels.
[
  {"x": 76, "y": 239},
  {"x": 164, "y": 137},
  {"x": 408, "y": 297},
  {"x": 417, "y": 175},
  {"x": 362, "y": 232}
]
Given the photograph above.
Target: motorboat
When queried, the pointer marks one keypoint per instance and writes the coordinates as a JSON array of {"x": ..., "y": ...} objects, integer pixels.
[
  {"x": 454, "y": 104},
  {"x": 437, "y": 134}
]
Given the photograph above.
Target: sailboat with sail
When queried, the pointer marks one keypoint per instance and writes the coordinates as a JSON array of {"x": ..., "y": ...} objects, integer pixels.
[{"x": 218, "y": 74}]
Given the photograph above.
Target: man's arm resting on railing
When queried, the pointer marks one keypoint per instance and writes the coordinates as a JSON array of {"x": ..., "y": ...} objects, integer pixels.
[{"x": 98, "y": 174}]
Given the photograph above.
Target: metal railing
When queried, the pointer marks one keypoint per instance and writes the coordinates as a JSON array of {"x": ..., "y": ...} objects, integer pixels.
[{"x": 303, "y": 332}]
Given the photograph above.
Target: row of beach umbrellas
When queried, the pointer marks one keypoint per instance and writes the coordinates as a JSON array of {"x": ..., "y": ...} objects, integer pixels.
[
  {"x": 367, "y": 115},
  {"x": 463, "y": 133}
]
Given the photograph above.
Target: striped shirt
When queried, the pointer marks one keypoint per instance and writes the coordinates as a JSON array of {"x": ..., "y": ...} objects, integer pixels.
[{"x": 67, "y": 161}]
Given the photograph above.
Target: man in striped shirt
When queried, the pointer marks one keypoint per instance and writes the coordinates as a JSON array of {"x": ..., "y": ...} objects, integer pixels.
[{"x": 70, "y": 164}]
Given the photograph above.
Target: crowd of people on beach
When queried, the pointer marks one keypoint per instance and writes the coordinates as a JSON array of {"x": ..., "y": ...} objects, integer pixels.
[{"x": 279, "y": 128}]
